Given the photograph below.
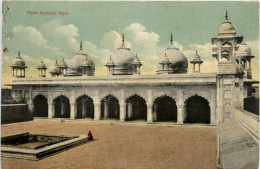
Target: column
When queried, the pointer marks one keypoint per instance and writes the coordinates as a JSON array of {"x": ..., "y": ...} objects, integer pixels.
[
  {"x": 138, "y": 69},
  {"x": 149, "y": 107},
  {"x": 199, "y": 67},
  {"x": 84, "y": 111},
  {"x": 130, "y": 110},
  {"x": 180, "y": 107},
  {"x": 105, "y": 109},
  {"x": 180, "y": 118},
  {"x": 155, "y": 112},
  {"x": 122, "y": 111},
  {"x": 122, "y": 106},
  {"x": 24, "y": 73},
  {"x": 73, "y": 110},
  {"x": 13, "y": 71},
  {"x": 16, "y": 72},
  {"x": 97, "y": 110},
  {"x": 149, "y": 113},
  {"x": 62, "y": 111},
  {"x": 51, "y": 110}
]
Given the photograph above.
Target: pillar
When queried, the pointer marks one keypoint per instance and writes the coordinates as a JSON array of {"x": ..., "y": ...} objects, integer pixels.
[
  {"x": 130, "y": 110},
  {"x": 84, "y": 111},
  {"x": 62, "y": 111},
  {"x": 149, "y": 113},
  {"x": 97, "y": 111},
  {"x": 155, "y": 112},
  {"x": 51, "y": 110},
  {"x": 180, "y": 115},
  {"x": 73, "y": 110},
  {"x": 13, "y": 71},
  {"x": 193, "y": 69},
  {"x": 105, "y": 109},
  {"x": 122, "y": 111}
]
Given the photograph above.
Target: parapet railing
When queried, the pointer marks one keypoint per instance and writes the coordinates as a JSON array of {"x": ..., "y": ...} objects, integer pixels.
[{"x": 249, "y": 122}]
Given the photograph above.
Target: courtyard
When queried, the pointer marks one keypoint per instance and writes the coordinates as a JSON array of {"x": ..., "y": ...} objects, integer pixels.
[{"x": 134, "y": 145}]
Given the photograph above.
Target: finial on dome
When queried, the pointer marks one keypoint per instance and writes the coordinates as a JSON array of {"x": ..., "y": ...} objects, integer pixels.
[
  {"x": 226, "y": 15},
  {"x": 196, "y": 52},
  {"x": 123, "y": 39},
  {"x": 80, "y": 45},
  {"x": 171, "y": 39},
  {"x": 41, "y": 61},
  {"x": 165, "y": 54},
  {"x": 62, "y": 59},
  {"x": 19, "y": 54},
  {"x": 56, "y": 62},
  {"x": 110, "y": 57}
]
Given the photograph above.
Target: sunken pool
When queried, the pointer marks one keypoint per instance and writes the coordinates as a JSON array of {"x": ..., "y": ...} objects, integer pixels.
[{"x": 34, "y": 146}]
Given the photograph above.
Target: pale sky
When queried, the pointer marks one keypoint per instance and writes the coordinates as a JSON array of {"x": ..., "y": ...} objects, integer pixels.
[{"x": 147, "y": 27}]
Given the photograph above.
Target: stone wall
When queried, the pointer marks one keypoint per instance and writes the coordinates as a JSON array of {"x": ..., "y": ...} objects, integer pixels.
[{"x": 12, "y": 113}]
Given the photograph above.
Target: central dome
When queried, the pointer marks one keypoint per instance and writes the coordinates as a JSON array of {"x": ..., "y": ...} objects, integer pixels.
[
  {"x": 226, "y": 28},
  {"x": 75, "y": 64},
  {"x": 178, "y": 63},
  {"x": 123, "y": 59}
]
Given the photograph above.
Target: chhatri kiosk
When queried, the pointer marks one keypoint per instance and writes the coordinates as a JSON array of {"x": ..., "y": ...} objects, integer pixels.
[{"x": 171, "y": 94}]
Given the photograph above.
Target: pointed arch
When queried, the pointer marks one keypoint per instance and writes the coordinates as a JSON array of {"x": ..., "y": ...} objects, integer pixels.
[
  {"x": 85, "y": 107},
  {"x": 110, "y": 107},
  {"x": 164, "y": 109},
  {"x": 197, "y": 110},
  {"x": 62, "y": 107},
  {"x": 136, "y": 108},
  {"x": 40, "y": 106}
]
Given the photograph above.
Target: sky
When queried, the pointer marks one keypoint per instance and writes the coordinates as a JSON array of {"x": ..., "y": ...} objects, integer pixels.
[{"x": 147, "y": 27}]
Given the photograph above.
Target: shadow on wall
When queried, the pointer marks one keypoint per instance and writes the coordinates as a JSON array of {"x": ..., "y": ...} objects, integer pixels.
[
  {"x": 12, "y": 113},
  {"x": 251, "y": 104}
]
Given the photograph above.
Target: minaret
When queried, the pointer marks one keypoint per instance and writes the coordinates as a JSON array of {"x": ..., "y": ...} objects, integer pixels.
[{"x": 225, "y": 44}]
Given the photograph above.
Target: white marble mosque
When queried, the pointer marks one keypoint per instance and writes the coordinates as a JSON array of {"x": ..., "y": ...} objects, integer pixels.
[{"x": 172, "y": 94}]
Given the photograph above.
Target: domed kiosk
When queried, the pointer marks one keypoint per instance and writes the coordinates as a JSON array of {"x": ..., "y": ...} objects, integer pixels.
[
  {"x": 76, "y": 67},
  {"x": 123, "y": 59},
  {"x": 226, "y": 28},
  {"x": 18, "y": 65},
  {"x": 178, "y": 63}
]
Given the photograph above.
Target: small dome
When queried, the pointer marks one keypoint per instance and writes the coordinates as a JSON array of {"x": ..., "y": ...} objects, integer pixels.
[
  {"x": 123, "y": 59},
  {"x": 196, "y": 59},
  {"x": 226, "y": 28},
  {"x": 63, "y": 64},
  {"x": 136, "y": 61},
  {"x": 75, "y": 64},
  {"x": 19, "y": 62},
  {"x": 243, "y": 51},
  {"x": 41, "y": 65},
  {"x": 165, "y": 60},
  {"x": 55, "y": 69},
  {"x": 110, "y": 62},
  {"x": 178, "y": 62}
]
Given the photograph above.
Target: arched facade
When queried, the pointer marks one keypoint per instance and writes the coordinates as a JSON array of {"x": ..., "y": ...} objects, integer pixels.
[
  {"x": 197, "y": 110},
  {"x": 40, "y": 106},
  {"x": 110, "y": 107},
  {"x": 164, "y": 109},
  {"x": 136, "y": 108},
  {"x": 61, "y": 107},
  {"x": 85, "y": 107}
]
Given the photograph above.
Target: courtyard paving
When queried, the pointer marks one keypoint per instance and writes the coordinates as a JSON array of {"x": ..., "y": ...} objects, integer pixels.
[{"x": 122, "y": 146}]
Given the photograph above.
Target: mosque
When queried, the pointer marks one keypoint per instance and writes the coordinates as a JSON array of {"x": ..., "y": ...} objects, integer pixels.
[{"x": 171, "y": 94}]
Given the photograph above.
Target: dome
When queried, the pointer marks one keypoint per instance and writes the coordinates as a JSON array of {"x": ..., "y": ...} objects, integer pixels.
[
  {"x": 18, "y": 62},
  {"x": 196, "y": 59},
  {"x": 226, "y": 28},
  {"x": 178, "y": 62},
  {"x": 165, "y": 60},
  {"x": 123, "y": 59},
  {"x": 110, "y": 62},
  {"x": 55, "y": 69},
  {"x": 243, "y": 51},
  {"x": 41, "y": 65},
  {"x": 63, "y": 64},
  {"x": 75, "y": 64}
]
